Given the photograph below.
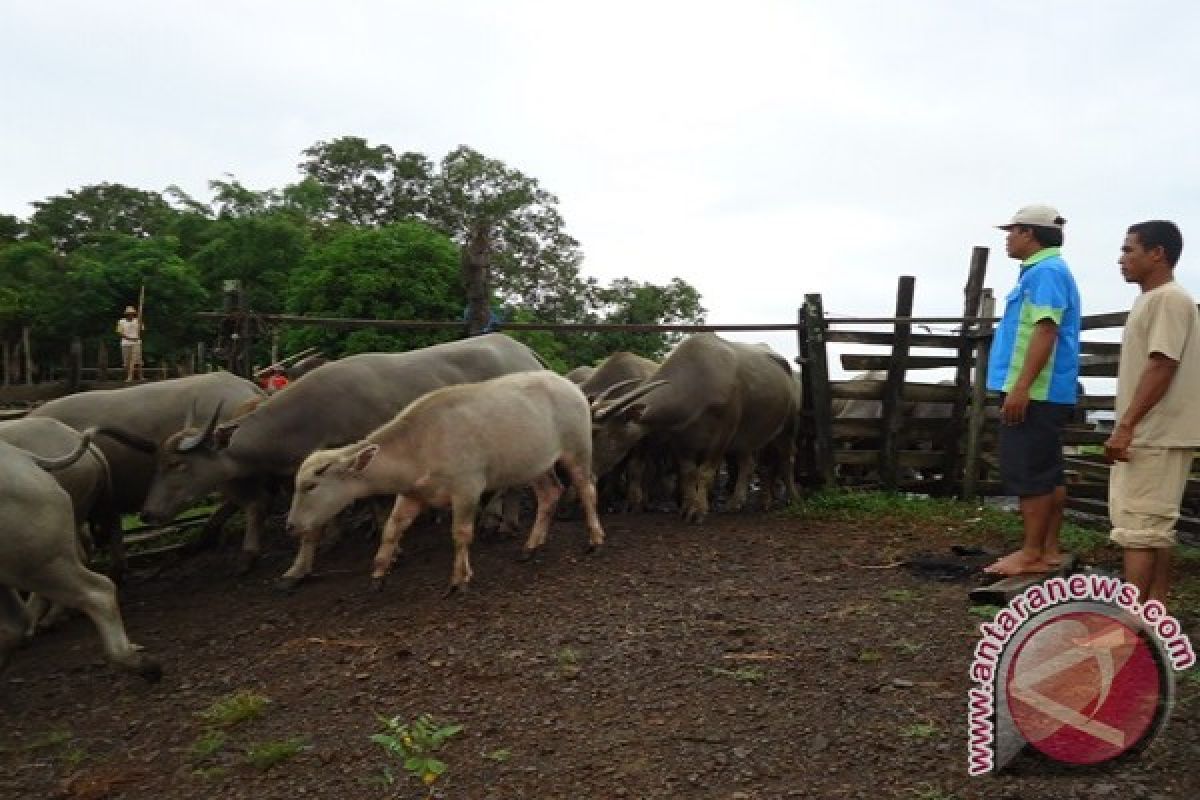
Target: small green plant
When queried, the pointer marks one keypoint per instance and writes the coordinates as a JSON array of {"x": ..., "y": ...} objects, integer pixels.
[
  {"x": 208, "y": 744},
  {"x": 499, "y": 755},
  {"x": 235, "y": 708},
  {"x": 741, "y": 674},
  {"x": 265, "y": 755},
  {"x": 984, "y": 612},
  {"x": 919, "y": 730},
  {"x": 869, "y": 657},
  {"x": 908, "y": 648},
  {"x": 901, "y": 595},
  {"x": 209, "y": 773},
  {"x": 414, "y": 744}
]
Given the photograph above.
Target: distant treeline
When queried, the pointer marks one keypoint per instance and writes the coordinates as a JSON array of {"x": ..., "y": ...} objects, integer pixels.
[{"x": 365, "y": 232}]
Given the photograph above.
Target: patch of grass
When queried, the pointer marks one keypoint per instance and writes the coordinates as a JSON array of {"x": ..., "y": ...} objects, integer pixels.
[
  {"x": 499, "y": 755},
  {"x": 741, "y": 674},
  {"x": 265, "y": 755},
  {"x": 901, "y": 595},
  {"x": 984, "y": 612},
  {"x": 210, "y": 773},
  {"x": 919, "y": 730},
  {"x": 567, "y": 656},
  {"x": 869, "y": 657},
  {"x": 51, "y": 739},
  {"x": 208, "y": 744},
  {"x": 908, "y": 648},
  {"x": 235, "y": 708}
]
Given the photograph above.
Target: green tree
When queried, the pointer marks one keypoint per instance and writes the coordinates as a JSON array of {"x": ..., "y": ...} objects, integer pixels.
[
  {"x": 356, "y": 177},
  {"x": 87, "y": 215},
  {"x": 11, "y": 229},
  {"x": 260, "y": 251},
  {"x": 629, "y": 302},
  {"x": 102, "y": 279},
  {"x": 401, "y": 271},
  {"x": 513, "y": 232}
]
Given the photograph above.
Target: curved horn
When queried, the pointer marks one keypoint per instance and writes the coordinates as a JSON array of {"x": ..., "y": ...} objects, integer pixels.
[
  {"x": 611, "y": 390},
  {"x": 62, "y": 462},
  {"x": 189, "y": 443},
  {"x": 625, "y": 400}
]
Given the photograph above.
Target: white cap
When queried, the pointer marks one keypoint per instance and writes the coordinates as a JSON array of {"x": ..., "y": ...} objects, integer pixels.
[{"x": 1037, "y": 215}]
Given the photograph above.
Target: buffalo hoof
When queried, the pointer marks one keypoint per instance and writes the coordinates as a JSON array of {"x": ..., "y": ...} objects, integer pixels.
[
  {"x": 245, "y": 563},
  {"x": 288, "y": 583},
  {"x": 527, "y": 555},
  {"x": 693, "y": 515},
  {"x": 594, "y": 549},
  {"x": 455, "y": 590},
  {"x": 377, "y": 584},
  {"x": 150, "y": 671}
]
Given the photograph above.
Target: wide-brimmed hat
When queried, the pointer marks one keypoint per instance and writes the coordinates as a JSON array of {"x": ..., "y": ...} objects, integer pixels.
[
  {"x": 129, "y": 310},
  {"x": 1038, "y": 216}
]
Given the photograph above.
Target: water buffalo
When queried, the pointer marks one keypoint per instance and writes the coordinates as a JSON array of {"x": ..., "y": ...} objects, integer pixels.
[
  {"x": 150, "y": 413},
  {"x": 709, "y": 399},
  {"x": 41, "y": 555},
  {"x": 450, "y": 446},
  {"x": 335, "y": 404},
  {"x": 640, "y": 466}
]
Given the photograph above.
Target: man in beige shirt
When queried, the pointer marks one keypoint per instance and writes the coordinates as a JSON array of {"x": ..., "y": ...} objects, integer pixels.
[
  {"x": 129, "y": 328},
  {"x": 1157, "y": 422}
]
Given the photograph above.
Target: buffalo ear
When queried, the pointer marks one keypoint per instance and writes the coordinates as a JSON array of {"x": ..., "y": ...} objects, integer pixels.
[{"x": 360, "y": 460}]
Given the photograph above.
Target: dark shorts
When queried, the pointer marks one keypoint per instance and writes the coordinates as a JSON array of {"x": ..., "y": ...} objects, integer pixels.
[{"x": 1031, "y": 455}]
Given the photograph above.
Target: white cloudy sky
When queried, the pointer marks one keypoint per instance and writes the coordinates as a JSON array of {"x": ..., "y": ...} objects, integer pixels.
[{"x": 760, "y": 150}]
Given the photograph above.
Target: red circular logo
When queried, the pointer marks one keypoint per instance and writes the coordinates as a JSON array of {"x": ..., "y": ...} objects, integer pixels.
[{"x": 1084, "y": 687}]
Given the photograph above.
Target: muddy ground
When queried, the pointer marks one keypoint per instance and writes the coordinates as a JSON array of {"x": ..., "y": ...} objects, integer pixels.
[{"x": 753, "y": 657}]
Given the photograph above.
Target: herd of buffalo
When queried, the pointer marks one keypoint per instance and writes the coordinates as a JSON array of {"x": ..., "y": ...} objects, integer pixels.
[{"x": 441, "y": 427}]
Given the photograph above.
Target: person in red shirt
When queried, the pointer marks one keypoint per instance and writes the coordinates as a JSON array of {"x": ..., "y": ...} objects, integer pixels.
[{"x": 276, "y": 380}]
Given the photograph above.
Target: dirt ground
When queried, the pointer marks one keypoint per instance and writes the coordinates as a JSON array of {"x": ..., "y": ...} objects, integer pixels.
[{"x": 756, "y": 656}]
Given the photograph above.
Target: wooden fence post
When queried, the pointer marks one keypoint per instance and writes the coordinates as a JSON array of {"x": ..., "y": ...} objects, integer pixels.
[
  {"x": 972, "y": 292},
  {"x": 893, "y": 389},
  {"x": 816, "y": 386},
  {"x": 978, "y": 416}
]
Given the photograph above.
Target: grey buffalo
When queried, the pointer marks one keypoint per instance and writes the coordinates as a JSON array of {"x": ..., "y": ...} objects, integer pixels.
[
  {"x": 41, "y": 555},
  {"x": 710, "y": 399},
  {"x": 450, "y": 446},
  {"x": 148, "y": 413},
  {"x": 335, "y": 404},
  {"x": 640, "y": 466}
]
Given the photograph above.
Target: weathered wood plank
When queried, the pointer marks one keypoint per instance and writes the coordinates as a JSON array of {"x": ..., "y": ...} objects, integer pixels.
[
  {"x": 893, "y": 387},
  {"x": 816, "y": 385}
]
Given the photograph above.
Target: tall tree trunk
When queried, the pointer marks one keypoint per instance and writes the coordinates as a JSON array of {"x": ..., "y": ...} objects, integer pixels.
[
  {"x": 476, "y": 263},
  {"x": 28, "y": 356}
]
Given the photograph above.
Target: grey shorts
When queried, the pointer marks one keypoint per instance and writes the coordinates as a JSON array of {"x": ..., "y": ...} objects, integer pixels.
[{"x": 1031, "y": 454}]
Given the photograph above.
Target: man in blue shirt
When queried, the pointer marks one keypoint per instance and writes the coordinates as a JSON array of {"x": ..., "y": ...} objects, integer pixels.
[{"x": 1034, "y": 364}]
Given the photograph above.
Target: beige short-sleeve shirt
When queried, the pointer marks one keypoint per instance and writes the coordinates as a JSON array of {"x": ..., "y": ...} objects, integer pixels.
[{"x": 1163, "y": 320}]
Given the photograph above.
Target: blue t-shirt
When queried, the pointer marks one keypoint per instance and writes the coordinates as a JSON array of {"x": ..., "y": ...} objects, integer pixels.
[{"x": 1045, "y": 290}]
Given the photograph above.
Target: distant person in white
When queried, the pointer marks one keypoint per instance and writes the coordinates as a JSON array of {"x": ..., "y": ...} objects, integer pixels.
[{"x": 130, "y": 329}]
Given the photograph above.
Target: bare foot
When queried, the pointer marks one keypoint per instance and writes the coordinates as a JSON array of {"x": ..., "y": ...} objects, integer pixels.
[
  {"x": 1054, "y": 559},
  {"x": 1018, "y": 564}
]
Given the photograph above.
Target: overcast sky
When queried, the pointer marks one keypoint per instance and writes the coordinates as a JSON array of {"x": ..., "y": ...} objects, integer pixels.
[{"x": 759, "y": 150}]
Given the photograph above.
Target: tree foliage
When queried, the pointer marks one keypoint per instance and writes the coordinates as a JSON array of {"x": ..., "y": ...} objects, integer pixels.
[
  {"x": 365, "y": 231},
  {"x": 401, "y": 271}
]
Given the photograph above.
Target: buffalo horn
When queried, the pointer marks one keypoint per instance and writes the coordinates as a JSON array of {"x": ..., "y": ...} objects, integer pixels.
[
  {"x": 625, "y": 400},
  {"x": 62, "y": 462},
  {"x": 611, "y": 390},
  {"x": 192, "y": 441}
]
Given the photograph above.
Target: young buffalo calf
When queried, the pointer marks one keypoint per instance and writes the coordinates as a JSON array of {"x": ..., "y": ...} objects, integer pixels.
[{"x": 447, "y": 448}]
